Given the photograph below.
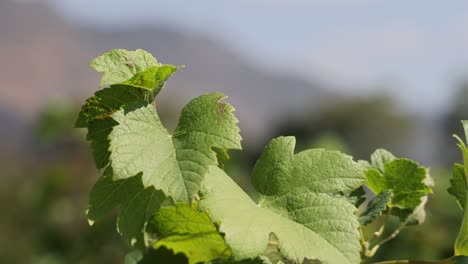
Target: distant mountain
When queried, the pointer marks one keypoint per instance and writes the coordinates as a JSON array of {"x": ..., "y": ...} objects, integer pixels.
[
  {"x": 46, "y": 59},
  {"x": 42, "y": 58},
  {"x": 13, "y": 131}
]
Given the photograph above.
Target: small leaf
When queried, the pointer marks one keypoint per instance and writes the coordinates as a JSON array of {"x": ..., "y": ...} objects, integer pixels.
[
  {"x": 185, "y": 230},
  {"x": 375, "y": 207},
  {"x": 407, "y": 181},
  {"x": 119, "y": 65}
]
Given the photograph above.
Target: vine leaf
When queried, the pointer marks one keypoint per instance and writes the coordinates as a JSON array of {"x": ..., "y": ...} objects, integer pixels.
[
  {"x": 136, "y": 75},
  {"x": 183, "y": 229},
  {"x": 300, "y": 204},
  {"x": 405, "y": 178},
  {"x": 145, "y": 166},
  {"x": 375, "y": 207},
  {"x": 96, "y": 113}
]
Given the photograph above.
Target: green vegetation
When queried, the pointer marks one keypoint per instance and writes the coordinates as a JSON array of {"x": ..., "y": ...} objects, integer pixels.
[{"x": 178, "y": 205}]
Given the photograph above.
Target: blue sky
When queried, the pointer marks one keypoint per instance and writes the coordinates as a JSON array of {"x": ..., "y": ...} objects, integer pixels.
[{"x": 416, "y": 50}]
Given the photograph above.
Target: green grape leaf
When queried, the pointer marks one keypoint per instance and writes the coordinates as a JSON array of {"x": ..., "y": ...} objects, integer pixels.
[
  {"x": 380, "y": 158},
  {"x": 458, "y": 185},
  {"x": 132, "y": 76},
  {"x": 119, "y": 65},
  {"x": 183, "y": 229},
  {"x": 146, "y": 167},
  {"x": 300, "y": 204},
  {"x": 375, "y": 207},
  {"x": 405, "y": 178},
  {"x": 96, "y": 113},
  {"x": 408, "y": 181}
]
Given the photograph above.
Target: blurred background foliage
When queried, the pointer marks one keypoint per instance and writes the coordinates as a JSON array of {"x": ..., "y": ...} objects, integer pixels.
[{"x": 47, "y": 170}]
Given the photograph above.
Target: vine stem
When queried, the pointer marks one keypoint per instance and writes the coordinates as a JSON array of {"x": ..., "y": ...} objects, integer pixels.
[
  {"x": 154, "y": 99},
  {"x": 390, "y": 237},
  {"x": 377, "y": 233},
  {"x": 370, "y": 251},
  {"x": 380, "y": 231}
]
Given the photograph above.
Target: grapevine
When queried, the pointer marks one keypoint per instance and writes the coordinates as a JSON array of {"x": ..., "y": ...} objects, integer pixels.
[{"x": 173, "y": 195}]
